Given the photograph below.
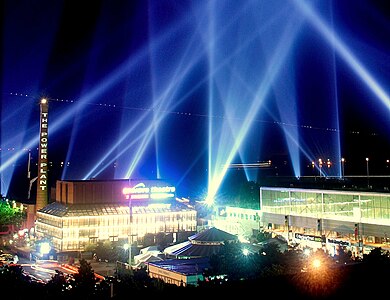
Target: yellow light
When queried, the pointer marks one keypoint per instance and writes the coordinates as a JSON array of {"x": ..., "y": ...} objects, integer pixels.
[
  {"x": 43, "y": 101},
  {"x": 45, "y": 248},
  {"x": 316, "y": 263}
]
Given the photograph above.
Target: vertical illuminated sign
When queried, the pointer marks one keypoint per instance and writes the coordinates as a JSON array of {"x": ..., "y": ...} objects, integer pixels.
[{"x": 42, "y": 180}]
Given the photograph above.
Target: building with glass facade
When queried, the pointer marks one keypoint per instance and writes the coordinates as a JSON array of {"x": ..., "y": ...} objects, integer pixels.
[
  {"x": 327, "y": 217},
  {"x": 87, "y": 212}
]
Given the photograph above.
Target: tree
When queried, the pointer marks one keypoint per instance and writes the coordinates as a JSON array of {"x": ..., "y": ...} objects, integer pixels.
[
  {"x": 10, "y": 215},
  {"x": 162, "y": 240},
  {"x": 263, "y": 236},
  {"x": 58, "y": 286},
  {"x": 85, "y": 280},
  {"x": 13, "y": 279}
]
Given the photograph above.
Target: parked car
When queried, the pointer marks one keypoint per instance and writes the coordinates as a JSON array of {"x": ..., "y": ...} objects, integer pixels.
[{"x": 6, "y": 258}]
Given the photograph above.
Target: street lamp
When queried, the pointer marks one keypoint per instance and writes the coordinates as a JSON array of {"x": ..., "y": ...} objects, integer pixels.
[
  {"x": 130, "y": 229},
  {"x": 320, "y": 165},
  {"x": 368, "y": 180},
  {"x": 342, "y": 167},
  {"x": 130, "y": 239}
]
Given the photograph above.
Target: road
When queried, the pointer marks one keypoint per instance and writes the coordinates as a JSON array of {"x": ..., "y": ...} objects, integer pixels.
[{"x": 43, "y": 271}]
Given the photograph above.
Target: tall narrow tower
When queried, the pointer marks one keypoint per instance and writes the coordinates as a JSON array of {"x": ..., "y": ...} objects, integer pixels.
[{"x": 42, "y": 180}]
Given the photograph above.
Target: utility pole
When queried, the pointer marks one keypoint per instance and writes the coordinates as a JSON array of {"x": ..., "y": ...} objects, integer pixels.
[{"x": 368, "y": 178}]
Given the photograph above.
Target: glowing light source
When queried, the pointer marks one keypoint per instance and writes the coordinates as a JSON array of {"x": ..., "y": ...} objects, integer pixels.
[
  {"x": 44, "y": 248},
  {"x": 316, "y": 263}
]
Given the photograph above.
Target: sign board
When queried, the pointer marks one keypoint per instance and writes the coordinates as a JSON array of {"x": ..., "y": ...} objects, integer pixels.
[{"x": 149, "y": 190}]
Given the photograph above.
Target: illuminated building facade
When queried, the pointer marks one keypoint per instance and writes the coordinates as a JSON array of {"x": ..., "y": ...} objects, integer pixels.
[
  {"x": 243, "y": 222},
  {"x": 86, "y": 212},
  {"x": 327, "y": 218}
]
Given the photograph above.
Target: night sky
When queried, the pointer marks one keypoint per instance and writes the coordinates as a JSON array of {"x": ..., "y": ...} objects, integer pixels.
[{"x": 129, "y": 85}]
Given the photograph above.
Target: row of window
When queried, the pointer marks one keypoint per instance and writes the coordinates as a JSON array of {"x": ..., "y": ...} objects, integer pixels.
[{"x": 369, "y": 206}]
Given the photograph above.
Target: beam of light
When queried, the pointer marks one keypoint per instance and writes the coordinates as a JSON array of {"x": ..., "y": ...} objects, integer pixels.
[
  {"x": 216, "y": 156},
  {"x": 136, "y": 124},
  {"x": 211, "y": 50},
  {"x": 161, "y": 101},
  {"x": 285, "y": 95},
  {"x": 338, "y": 146},
  {"x": 170, "y": 89},
  {"x": 212, "y": 70},
  {"x": 211, "y": 41},
  {"x": 10, "y": 140},
  {"x": 344, "y": 52},
  {"x": 186, "y": 61},
  {"x": 153, "y": 84},
  {"x": 7, "y": 168},
  {"x": 147, "y": 134},
  {"x": 40, "y": 48},
  {"x": 174, "y": 85},
  {"x": 336, "y": 106},
  {"x": 194, "y": 55},
  {"x": 130, "y": 64},
  {"x": 72, "y": 142},
  {"x": 118, "y": 145},
  {"x": 277, "y": 60},
  {"x": 99, "y": 89}
]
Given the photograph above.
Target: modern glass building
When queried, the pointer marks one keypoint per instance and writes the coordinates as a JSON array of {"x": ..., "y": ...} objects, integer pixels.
[
  {"x": 87, "y": 212},
  {"x": 351, "y": 216}
]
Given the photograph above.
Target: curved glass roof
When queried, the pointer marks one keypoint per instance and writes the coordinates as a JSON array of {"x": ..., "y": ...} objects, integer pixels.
[{"x": 80, "y": 210}]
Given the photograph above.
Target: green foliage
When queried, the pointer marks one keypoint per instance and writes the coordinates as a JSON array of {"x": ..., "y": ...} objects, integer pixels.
[
  {"x": 58, "y": 286},
  {"x": 10, "y": 215},
  {"x": 105, "y": 250},
  {"x": 263, "y": 236},
  {"x": 378, "y": 257},
  {"x": 90, "y": 247},
  {"x": 162, "y": 240}
]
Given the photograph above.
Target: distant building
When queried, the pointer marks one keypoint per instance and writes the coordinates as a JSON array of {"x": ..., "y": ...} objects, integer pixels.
[
  {"x": 327, "y": 218},
  {"x": 181, "y": 272},
  {"x": 243, "y": 222},
  {"x": 86, "y": 212},
  {"x": 202, "y": 244}
]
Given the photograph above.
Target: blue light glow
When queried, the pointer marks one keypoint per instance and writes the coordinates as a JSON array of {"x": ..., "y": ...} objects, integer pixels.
[
  {"x": 346, "y": 53},
  {"x": 196, "y": 91}
]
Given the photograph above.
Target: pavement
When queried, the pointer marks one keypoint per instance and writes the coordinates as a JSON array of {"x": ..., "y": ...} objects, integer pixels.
[{"x": 103, "y": 269}]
